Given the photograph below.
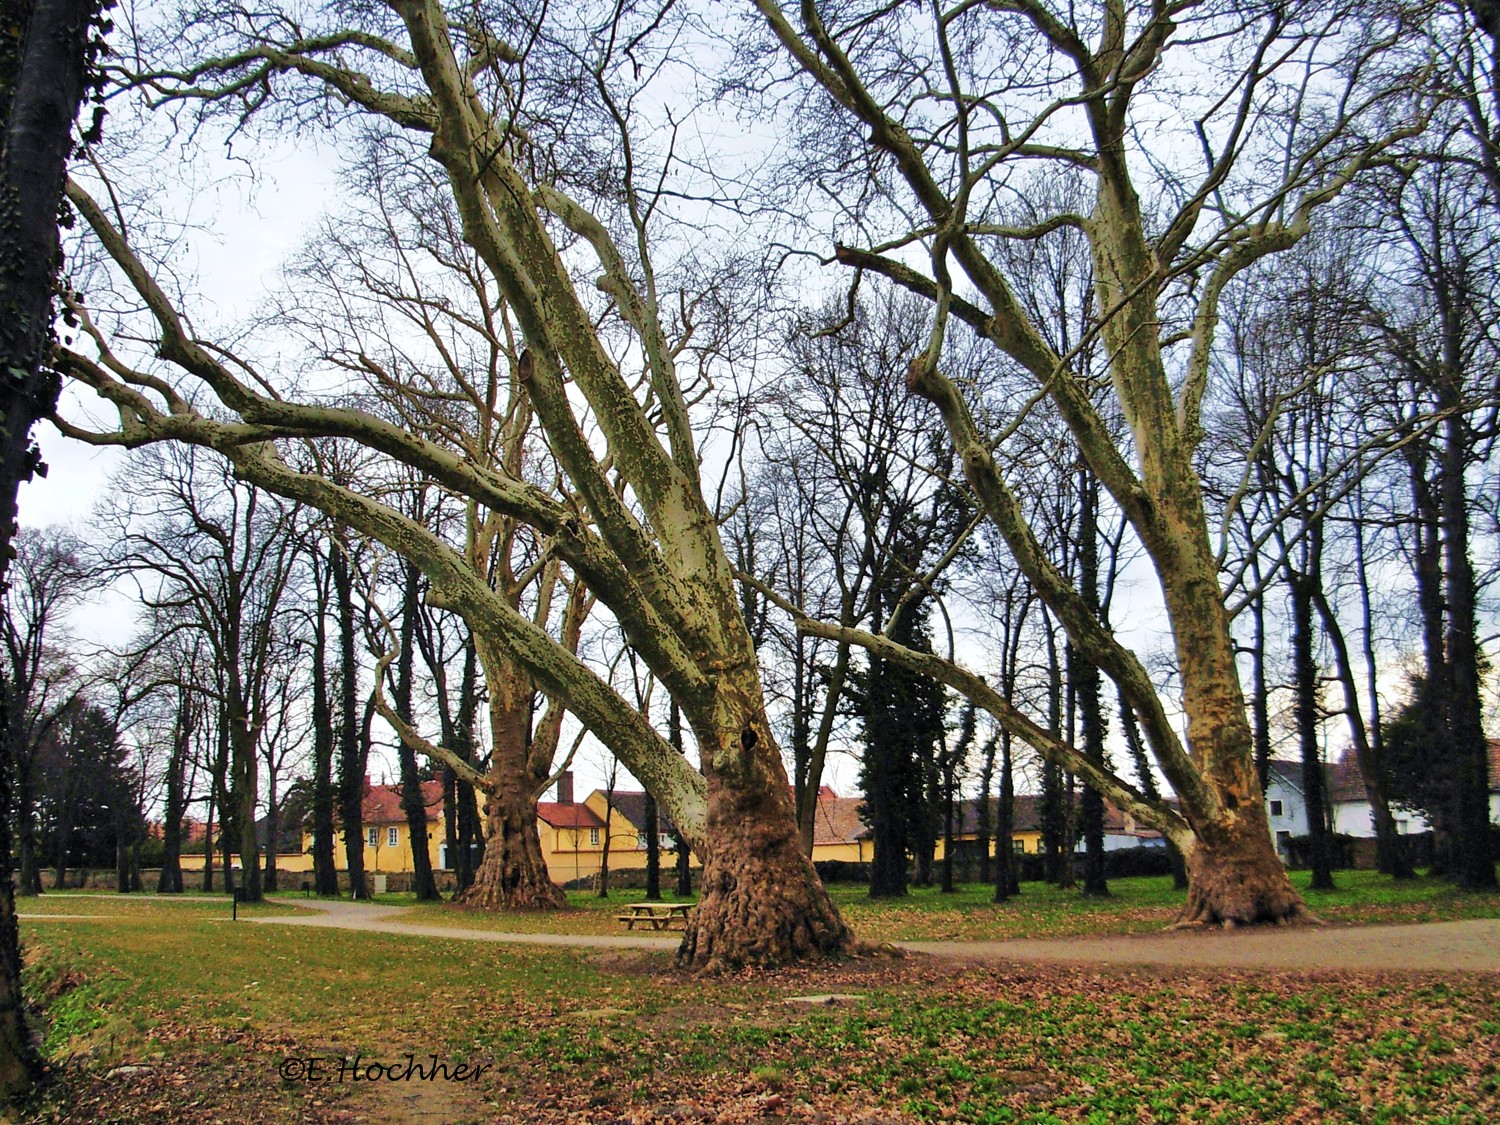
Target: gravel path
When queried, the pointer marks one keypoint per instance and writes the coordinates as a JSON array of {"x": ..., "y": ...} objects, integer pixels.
[
  {"x": 339, "y": 914},
  {"x": 1466, "y": 946}
]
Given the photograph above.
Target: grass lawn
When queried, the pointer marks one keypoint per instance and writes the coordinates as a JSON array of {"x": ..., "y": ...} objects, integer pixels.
[
  {"x": 213, "y": 1015},
  {"x": 1135, "y": 906},
  {"x": 105, "y": 904}
]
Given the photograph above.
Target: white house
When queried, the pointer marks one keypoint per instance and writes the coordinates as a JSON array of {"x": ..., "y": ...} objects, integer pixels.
[
  {"x": 1286, "y": 808},
  {"x": 1351, "y": 807}
]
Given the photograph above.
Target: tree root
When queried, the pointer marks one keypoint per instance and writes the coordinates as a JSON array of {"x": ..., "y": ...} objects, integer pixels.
[
  {"x": 1198, "y": 914},
  {"x": 877, "y": 949}
]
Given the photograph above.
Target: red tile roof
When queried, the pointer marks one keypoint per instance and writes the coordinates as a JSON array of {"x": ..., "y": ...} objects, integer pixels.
[
  {"x": 382, "y": 804},
  {"x": 1346, "y": 783},
  {"x": 568, "y": 816},
  {"x": 837, "y": 819}
]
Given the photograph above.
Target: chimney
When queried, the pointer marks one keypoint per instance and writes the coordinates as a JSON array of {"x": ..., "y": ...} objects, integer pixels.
[{"x": 565, "y": 787}]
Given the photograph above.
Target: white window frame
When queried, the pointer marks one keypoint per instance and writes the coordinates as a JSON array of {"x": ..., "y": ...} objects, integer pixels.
[
  {"x": 593, "y": 837},
  {"x": 1277, "y": 808},
  {"x": 392, "y": 837},
  {"x": 372, "y": 837}
]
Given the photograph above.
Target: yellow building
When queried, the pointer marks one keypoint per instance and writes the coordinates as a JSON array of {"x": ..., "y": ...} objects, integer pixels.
[
  {"x": 578, "y": 837},
  {"x": 574, "y": 834},
  {"x": 387, "y": 834}
]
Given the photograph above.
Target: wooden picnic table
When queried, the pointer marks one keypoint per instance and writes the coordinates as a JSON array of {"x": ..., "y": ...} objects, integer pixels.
[{"x": 658, "y": 915}]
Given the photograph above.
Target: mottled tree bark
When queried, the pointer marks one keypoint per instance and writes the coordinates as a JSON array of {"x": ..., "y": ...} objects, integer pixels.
[
  {"x": 762, "y": 903},
  {"x": 513, "y": 874}
]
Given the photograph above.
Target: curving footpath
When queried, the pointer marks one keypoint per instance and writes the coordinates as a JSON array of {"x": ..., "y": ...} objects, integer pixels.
[{"x": 1471, "y": 946}]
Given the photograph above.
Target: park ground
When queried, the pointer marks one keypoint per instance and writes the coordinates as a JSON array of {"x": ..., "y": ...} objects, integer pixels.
[{"x": 156, "y": 1011}]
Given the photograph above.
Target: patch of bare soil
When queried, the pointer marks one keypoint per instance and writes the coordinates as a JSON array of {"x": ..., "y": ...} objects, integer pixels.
[{"x": 186, "y": 1087}]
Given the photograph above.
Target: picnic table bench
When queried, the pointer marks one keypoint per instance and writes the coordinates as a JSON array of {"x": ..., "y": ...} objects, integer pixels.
[{"x": 658, "y": 915}]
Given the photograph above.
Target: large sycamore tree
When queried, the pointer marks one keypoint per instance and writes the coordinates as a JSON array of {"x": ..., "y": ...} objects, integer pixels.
[
  {"x": 632, "y": 523},
  {"x": 1207, "y": 137}
]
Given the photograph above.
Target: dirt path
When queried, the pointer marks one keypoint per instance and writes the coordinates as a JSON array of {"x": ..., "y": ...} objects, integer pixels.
[
  {"x": 1470, "y": 946},
  {"x": 339, "y": 914},
  {"x": 1467, "y": 946}
]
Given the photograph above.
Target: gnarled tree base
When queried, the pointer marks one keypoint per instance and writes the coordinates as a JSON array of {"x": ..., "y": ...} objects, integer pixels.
[
  {"x": 513, "y": 874},
  {"x": 503, "y": 893},
  {"x": 1242, "y": 886},
  {"x": 762, "y": 905}
]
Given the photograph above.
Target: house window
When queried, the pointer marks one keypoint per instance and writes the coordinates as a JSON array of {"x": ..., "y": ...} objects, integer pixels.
[
  {"x": 372, "y": 837},
  {"x": 1018, "y": 846},
  {"x": 1283, "y": 841},
  {"x": 391, "y": 837},
  {"x": 443, "y": 863},
  {"x": 593, "y": 837},
  {"x": 1276, "y": 808}
]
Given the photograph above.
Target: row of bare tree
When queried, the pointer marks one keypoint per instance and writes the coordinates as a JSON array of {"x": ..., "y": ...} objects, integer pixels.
[{"x": 1174, "y": 350}]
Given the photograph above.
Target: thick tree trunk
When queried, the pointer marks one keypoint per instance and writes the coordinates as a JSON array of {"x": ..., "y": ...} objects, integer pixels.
[
  {"x": 467, "y": 828},
  {"x": 208, "y": 843},
  {"x": 983, "y": 810},
  {"x": 683, "y": 857},
  {"x": 1474, "y": 860},
  {"x": 20, "y": 1064},
  {"x": 1054, "y": 814},
  {"x": 1006, "y": 882},
  {"x": 818, "y": 755},
  {"x": 1236, "y": 878},
  {"x": 683, "y": 866},
  {"x": 1149, "y": 787},
  {"x": 603, "y": 889},
  {"x": 949, "y": 797},
  {"x": 351, "y": 760},
  {"x": 762, "y": 903},
  {"x": 1390, "y": 856},
  {"x": 653, "y": 850},
  {"x": 169, "y": 882},
  {"x": 1091, "y": 806},
  {"x": 1086, "y": 688},
  {"x": 244, "y": 765},
  {"x": 1393, "y": 858},
  {"x": 1234, "y": 874},
  {"x": 1260, "y": 689},
  {"x": 30, "y": 876},
  {"x": 1306, "y": 710},
  {"x": 1427, "y": 570},
  {"x": 325, "y": 870},
  {"x": 43, "y": 61},
  {"x": 411, "y": 786},
  {"x": 513, "y": 874}
]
